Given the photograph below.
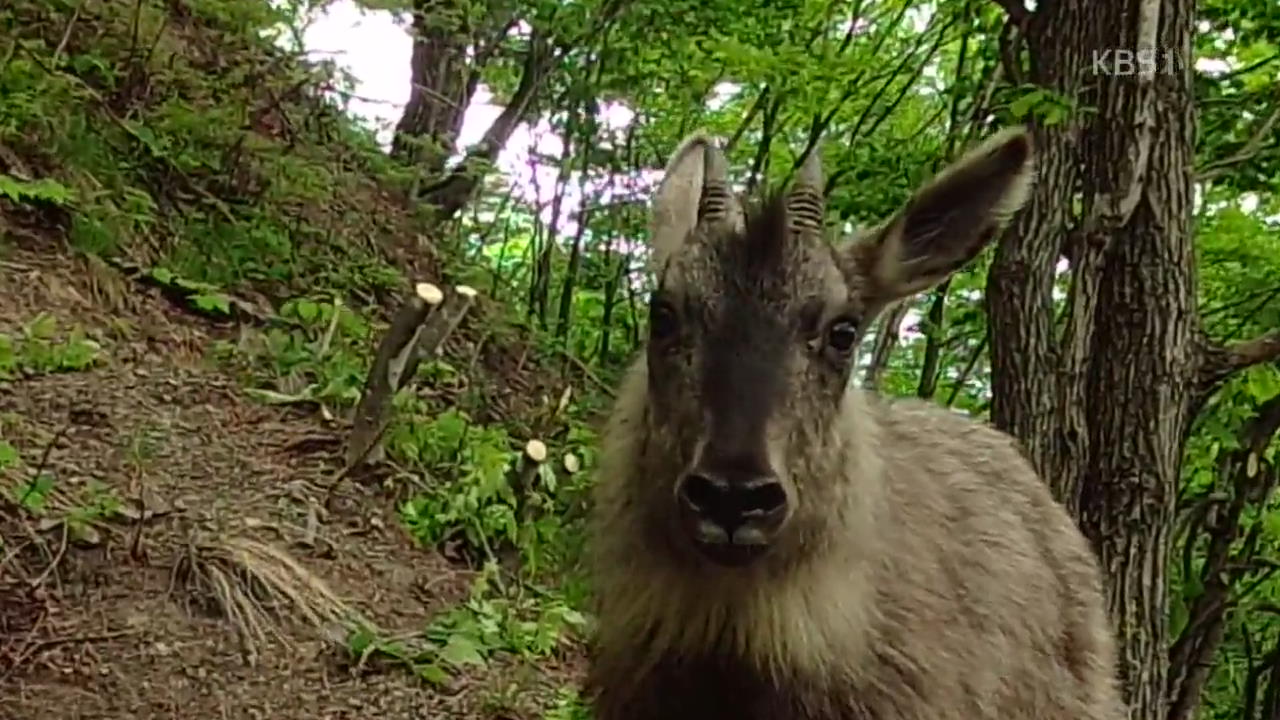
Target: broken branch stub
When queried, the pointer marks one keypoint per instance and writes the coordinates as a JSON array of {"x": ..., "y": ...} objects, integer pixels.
[{"x": 387, "y": 373}]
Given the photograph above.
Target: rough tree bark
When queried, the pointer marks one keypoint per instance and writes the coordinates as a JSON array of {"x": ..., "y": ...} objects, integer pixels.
[{"x": 1103, "y": 404}]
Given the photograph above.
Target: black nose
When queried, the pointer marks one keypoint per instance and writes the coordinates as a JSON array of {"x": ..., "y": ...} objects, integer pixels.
[{"x": 733, "y": 508}]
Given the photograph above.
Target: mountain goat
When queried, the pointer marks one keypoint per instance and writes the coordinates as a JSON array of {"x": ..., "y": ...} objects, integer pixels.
[{"x": 769, "y": 543}]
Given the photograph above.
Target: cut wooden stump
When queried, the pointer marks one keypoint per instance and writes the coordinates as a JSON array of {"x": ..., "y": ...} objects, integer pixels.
[
  {"x": 418, "y": 330},
  {"x": 535, "y": 454}
]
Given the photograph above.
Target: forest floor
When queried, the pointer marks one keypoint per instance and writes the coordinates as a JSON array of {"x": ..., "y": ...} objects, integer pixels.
[{"x": 127, "y": 596}]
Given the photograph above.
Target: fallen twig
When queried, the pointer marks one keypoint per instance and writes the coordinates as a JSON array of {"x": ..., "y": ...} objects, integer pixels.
[
  {"x": 62, "y": 550},
  {"x": 26, "y": 650},
  {"x": 588, "y": 373}
]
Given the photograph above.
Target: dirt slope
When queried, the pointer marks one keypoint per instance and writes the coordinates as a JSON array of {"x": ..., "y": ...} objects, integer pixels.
[{"x": 120, "y": 625}]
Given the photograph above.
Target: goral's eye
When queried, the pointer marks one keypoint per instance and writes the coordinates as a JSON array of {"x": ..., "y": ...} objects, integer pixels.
[
  {"x": 842, "y": 334},
  {"x": 662, "y": 320}
]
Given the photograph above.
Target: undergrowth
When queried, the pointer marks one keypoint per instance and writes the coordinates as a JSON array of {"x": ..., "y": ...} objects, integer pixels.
[
  {"x": 178, "y": 140},
  {"x": 38, "y": 349},
  {"x": 180, "y": 137}
]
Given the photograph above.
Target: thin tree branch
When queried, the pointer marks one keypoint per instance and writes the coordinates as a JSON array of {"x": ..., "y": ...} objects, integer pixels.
[
  {"x": 886, "y": 339},
  {"x": 968, "y": 370},
  {"x": 754, "y": 110},
  {"x": 1246, "y": 153},
  {"x": 1247, "y": 68},
  {"x": 1221, "y": 362},
  {"x": 928, "y": 384},
  {"x": 1270, "y": 292},
  {"x": 1252, "y": 481}
]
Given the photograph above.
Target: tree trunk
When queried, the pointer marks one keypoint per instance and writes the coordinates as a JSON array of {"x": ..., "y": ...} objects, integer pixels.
[
  {"x": 617, "y": 273},
  {"x": 564, "y": 318},
  {"x": 935, "y": 335},
  {"x": 449, "y": 53},
  {"x": 443, "y": 81},
  {"x": 456, "y": 189},
  {"x": 1102, "y": 405}
]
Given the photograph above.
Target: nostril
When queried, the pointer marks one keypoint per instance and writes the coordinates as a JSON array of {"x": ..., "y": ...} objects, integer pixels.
[
  {"x": 731, "y": 502},
  {"x": 765, "y": 498},
  {"x": 700, "y": 492}
]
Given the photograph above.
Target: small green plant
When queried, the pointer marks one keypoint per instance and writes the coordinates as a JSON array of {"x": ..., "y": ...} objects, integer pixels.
[
  {"x": 203, "y": 296},
  {"x": 473, "y": 494},
  {"x": 44, "y": 190},
  {"x": 568, "y": 705},
  {"x": 422, "y": 660},
  {"x": 8, "y": 455},
  {"x": 98, "y": 503},
  {"x": 31, "y": 495},
  {"x": 40, "y": 496},
  {"x": 497, "y": 617},
  {"x": 493, "y": 619},
  {"x": 38, "y": 350},
  {"x": 478, "y": 497},
  {"x": 319, "y": 356}
]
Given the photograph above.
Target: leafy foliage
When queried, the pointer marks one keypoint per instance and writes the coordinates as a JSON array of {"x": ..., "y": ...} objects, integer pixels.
[{"x": 39, "y": 350}]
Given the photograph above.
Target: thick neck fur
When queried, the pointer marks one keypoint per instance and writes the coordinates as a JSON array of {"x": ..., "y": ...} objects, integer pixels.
[{"x": 801, "y": 609}]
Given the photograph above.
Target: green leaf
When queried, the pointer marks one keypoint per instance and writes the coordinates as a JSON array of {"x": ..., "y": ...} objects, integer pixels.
[
  {"x": 79, "y": 352},
  {"x": 42, "y": 327},
  {"x": 461, "y": 651},
  {"x": 1271, "y": 523},
  {"x": 308, "y": 311},
  {"x": 211, "y": 302},
  {"x": 1021, "y": 107},
  {"x": 547, "y": 475},
  {"x": 1192, "y": 588},
  {"x": 360, "y": 640},
  {"x": 43, "y": 190},
  {"x": 33, "y": 495},
  {"x": 1263, "y": 382},
  {"x": 1178, "y": 616},
  {"x": 8, "y": 455},
  {"x": 433, "y": 673}
]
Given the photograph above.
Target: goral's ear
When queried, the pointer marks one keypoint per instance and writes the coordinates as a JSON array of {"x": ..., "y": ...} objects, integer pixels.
[{"x": 946, "y": 223}]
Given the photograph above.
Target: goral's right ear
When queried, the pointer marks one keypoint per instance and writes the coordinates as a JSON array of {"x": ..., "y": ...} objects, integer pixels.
[
  {"x": 946, "y": 223},
  {"x": 694, "y": 187}
]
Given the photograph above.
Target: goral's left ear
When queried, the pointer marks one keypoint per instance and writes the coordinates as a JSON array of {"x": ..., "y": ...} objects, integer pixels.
[{"x": 947, "y": 222}]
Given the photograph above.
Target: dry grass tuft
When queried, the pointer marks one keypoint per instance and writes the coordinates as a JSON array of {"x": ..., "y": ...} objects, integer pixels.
[{"x": 258, "y": 587}]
